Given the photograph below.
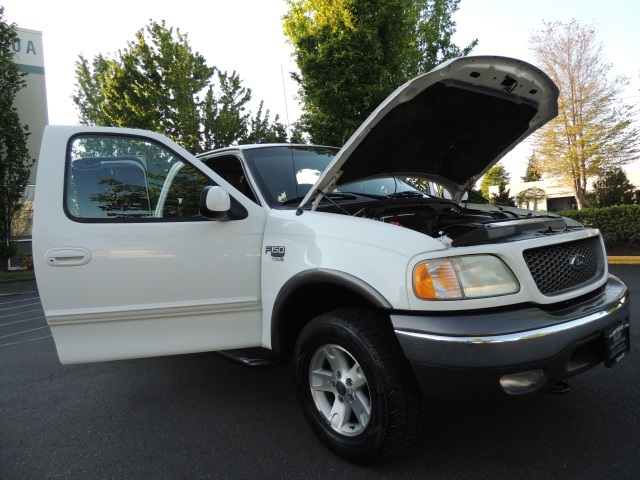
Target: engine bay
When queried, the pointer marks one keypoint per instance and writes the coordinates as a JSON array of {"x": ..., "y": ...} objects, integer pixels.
[{"x": 462, "y": 225}]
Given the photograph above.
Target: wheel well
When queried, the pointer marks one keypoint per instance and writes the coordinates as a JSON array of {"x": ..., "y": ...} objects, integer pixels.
[{"x": 306, "y": 302}]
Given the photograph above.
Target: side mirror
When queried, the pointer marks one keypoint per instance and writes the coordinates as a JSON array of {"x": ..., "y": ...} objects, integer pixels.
[{"x": 216, "y": 204}]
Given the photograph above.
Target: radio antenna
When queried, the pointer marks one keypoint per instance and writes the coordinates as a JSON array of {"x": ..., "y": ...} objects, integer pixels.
[
  {"x": 293, "y": 160},
  {"x": 286, "y": 105}
]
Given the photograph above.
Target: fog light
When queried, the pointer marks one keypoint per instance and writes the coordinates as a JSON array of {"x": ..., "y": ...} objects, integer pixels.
[{"x": 521, "y": 381}]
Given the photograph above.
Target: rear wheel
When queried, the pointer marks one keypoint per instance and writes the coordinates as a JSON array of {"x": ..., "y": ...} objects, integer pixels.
[{"x": 355, "y": 386}]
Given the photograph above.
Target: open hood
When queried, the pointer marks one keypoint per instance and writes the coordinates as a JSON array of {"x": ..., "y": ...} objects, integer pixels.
[{"x": 451, "y": 124}]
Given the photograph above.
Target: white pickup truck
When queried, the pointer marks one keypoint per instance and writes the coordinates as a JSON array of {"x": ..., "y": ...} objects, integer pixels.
[{"x": 367, "y": 266}]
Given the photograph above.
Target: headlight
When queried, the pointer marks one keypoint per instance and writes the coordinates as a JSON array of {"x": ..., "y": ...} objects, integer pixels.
[{"x": 456, "y": 278}]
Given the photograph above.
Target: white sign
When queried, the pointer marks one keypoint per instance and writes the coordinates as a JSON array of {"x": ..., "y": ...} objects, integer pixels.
[{"x": 28, "y": 50}]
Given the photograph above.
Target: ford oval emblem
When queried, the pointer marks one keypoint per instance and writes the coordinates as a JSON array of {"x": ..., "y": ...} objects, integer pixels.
[{"x": 578, "y": 262}]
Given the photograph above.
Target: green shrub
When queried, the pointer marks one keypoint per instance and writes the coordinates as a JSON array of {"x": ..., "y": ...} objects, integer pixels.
[
  {"x": 8, "y": 251},
  {"x": 26, "y": 260},
  {"x": 619, "y": 224}
]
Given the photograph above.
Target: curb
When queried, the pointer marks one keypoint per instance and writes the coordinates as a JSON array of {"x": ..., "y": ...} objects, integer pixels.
[{"x": 626, "y": 260}]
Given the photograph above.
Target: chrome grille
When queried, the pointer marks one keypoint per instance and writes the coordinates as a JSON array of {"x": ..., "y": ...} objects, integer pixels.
[{"x": 559, "y": 268}]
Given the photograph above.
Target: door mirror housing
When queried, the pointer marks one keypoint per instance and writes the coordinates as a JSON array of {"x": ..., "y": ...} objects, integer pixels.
[{"x": 217, "y": 204}]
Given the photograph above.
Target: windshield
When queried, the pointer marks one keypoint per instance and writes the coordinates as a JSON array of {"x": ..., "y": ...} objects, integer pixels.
[
  {"x": 379, "y": 186},
  {"x": 286, "y": 173}
]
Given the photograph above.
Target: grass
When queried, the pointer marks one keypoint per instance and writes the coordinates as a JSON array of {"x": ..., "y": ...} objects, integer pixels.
[{"x": 17, "y": 276}]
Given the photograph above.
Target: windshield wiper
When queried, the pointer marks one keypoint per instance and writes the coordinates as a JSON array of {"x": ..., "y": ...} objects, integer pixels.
[
  {"x": 328, "y": 196},
  {"x": 368, "y": 195},
  {"x": 407, "y": 194},
  {"x": 341, "y": 195},
  {"x": 292, "y": 200}
]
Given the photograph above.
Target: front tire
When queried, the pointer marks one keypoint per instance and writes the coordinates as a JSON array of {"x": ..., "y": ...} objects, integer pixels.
[{"x": 355, "y": 386}]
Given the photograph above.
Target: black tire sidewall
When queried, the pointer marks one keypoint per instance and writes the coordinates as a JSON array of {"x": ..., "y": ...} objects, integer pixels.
[{"x": 331, "y": 329}]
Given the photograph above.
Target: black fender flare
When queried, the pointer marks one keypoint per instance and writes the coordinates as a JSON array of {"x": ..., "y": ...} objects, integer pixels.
[{"x": 320, "y": 275}]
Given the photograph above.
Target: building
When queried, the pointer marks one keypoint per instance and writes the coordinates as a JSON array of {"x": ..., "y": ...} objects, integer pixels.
[
  {"x": 550, "y": 195},
  {"x": 31, "y": 102}
]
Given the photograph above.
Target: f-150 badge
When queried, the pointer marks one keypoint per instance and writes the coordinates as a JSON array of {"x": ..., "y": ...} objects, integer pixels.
[{"x": 277, "y": 253}]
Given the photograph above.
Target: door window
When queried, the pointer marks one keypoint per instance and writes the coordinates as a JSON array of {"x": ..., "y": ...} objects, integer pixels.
[{"x": 119, "y": 178}]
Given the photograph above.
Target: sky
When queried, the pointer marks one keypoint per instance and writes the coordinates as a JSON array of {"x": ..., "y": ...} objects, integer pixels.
[{"x": 246, "y": 36}]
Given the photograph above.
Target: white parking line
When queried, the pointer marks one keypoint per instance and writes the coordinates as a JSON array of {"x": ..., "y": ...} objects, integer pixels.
[
  {"x": 24, "y": 331},
  {"x": 20, "y": 299},
  {"x": 20, "y": 313},
  {"x": 24, "y": 341},
  {"x": 22, "y": 321},
  {"x": 19, "y": 306}
]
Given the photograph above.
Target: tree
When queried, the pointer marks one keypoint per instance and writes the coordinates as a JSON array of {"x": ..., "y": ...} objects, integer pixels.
[
  {"x": 594, "y": 129},
  {"x": 532, "y": 173},
  {"x": 495, "y": 176},
  {"x": 264, "y": 132},
  {"x": 15, "y": 162},
  {"x": 152, "y": 84},
  {"x": 530, "y": 197},
  {"x": 159, "y": 83},
  {"x": 224, "y": 118},
  {"x": 434, "y": 30},
  {"x": 612, "y": 188},
  {"x": 352, "y": 54},
  {"x": 502, "y": 197}
]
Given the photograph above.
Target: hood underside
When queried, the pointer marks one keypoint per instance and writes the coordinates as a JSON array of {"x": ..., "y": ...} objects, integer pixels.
[
  {"x": 429, "y": 135},
  {"x": 451, "y": 124}
]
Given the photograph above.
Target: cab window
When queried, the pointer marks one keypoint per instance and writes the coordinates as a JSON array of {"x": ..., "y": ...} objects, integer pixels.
[{"x": 230, "y": 168}]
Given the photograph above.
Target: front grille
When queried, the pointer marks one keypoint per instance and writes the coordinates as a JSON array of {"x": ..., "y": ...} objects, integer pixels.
[{"x": 559, "y": 268}]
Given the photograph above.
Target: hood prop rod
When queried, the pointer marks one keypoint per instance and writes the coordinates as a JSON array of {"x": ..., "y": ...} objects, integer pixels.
[{"x": 320, "y": 192}]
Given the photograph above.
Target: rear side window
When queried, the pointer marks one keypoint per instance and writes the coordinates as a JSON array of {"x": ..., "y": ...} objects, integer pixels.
[{"x": 120, "y": 178}]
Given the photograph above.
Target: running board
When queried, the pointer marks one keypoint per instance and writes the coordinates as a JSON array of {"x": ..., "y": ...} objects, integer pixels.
[{"x": 253, "y": 357}]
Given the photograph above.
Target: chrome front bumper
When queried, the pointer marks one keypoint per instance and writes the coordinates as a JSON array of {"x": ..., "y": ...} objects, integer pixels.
[{"x": 471, "y": 349}]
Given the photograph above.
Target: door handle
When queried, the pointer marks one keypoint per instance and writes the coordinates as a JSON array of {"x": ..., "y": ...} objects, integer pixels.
[{"x": 67, "y": 257}]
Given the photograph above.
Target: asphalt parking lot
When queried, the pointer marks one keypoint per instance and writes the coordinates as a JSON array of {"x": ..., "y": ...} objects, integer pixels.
[{"x": 200, "y": 416}]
